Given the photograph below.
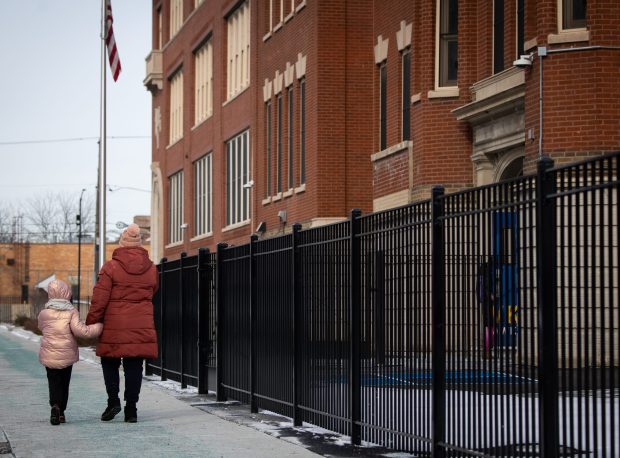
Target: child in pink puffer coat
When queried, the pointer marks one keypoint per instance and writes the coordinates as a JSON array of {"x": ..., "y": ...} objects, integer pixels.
[{"x": 59, "y": 323}]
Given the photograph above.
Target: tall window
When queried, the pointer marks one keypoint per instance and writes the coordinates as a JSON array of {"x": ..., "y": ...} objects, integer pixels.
[
  {"x": 176, "y": 16},
  {"x": 382, "y": 106},
  {"x": 279, "y": 143},
  {"x": 202, "y": 195},
  {"x": 238, "y": 56},
  {"x": 237, "y": 176},
  {"x": 291, "y": 173},
  {"x": 176, "y": 207},
  {"x": 203, "y": 106},
  {"x": 302, "y": 131},
  {"x": 448, "y": 35},
  {"x": 268, "y": 149},
  {"x": 498, "y": 36},
  {"x": 406, "y": 62},
  {"x": 176, "y": 107},
  {"x": 573, "y": 14},
  {"x": 520, "y": 27},
  {"x": 160, "y": 29}
]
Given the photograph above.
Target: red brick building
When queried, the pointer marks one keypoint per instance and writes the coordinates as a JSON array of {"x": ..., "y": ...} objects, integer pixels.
[{"x": 269, "y": 112}]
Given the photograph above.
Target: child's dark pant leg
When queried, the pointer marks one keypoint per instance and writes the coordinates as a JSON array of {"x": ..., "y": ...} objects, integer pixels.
[
  {"x": 133, "y": 378},
  {"x": 110, "y": 375},
  {"x": 58, "y": 382},
  {"x": 66, "y": 380}
]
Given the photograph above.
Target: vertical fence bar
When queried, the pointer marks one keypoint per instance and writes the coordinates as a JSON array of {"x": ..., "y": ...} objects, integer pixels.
[
  {"x": 204, "y": 288},
  {"x": 181, "y": 309},
  {"x": 253, "y": 313},
  {"x": 297, "y": 326},
  {"x": 355, "y": 324},
  {"x": 162, "y": 336},
  {"x": 220, "y": 294},
  {"x": 439, "y": 317},
  {"x": 547, "y": 309}
]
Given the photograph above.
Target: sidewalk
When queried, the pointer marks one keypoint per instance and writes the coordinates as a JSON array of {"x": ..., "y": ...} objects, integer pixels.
[
  {"x": 171, "y": 421},
  {"x": 166, "y": 426}
]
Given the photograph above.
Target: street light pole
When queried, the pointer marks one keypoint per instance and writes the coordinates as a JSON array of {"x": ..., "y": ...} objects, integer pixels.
[{"x": 79, "y": 224}]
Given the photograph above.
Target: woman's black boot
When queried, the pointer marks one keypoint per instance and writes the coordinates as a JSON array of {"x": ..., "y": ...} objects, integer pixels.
[
  {"x": 114, "y": 407},
  {"x": 131, "y": 412}
]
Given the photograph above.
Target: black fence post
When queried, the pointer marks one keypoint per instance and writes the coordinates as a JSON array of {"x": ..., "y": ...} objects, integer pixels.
[
  {"x": 162, "y": 336},
  {"x": 181, "y": 309},
  {"x": 220, "y": 294},
  {"x": 253, "y": 405},
  {"x": 297, "y": 327},
  {"x": 355, "y": 285},
  {"x": 203, "y": 318},
  {"x": 547, "y": 309},
  {"x": 438, "y": 304}
]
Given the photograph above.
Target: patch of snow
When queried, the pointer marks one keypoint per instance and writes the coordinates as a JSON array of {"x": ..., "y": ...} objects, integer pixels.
[
  {"x": 26, "y": 334},
  {"x": 173, "y": 386}
]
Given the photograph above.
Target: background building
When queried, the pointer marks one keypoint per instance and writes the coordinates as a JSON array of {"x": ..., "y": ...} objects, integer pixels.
[{"x": 271, "y": 112}]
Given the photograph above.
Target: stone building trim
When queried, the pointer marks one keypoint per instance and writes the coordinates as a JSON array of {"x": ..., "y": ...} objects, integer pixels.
[
  {"x": 278, "y": 79},
  {"x": 381, "y": 49},
  {"x": 403, "y": 36},
  {"x": 289, "y": 74},
  {"x": 267, "y": 88},
  {"x": 300, "y": 66}
]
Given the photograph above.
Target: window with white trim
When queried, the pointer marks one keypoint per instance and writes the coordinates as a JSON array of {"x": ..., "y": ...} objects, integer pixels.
[
  {"x": 176, "y": 207},
  {"x": 382, "y": 106},
  {"x": 448, "y": 42},
  {"x": 176, "y": 16},
  {"x": 160, "y": 29},
  {"x": 237, "y": 177},
  {"x": 268, "y": 148},
  {"x": 520, "y": 27},
  {"x": 238, "y": 54},
  {"x": 406, "y": 93},
  {"x": 176, "y": 106},
  {"x": 302, "y": 131},
  {"x": 203, "y": 106},
  {"x": 203, "y": 211},
  {"x": 498, "y": 36},
  {"x": 279, "y": 143},
  {"x": 573, "y": 14},
  {"x": 291, "y": 173}
]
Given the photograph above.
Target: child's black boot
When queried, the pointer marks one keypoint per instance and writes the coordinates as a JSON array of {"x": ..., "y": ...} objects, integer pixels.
[{"x": 55, "y": 415}]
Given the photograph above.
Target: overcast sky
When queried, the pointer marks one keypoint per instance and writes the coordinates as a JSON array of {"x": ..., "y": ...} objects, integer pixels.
[{"x": 50, "y": 54}]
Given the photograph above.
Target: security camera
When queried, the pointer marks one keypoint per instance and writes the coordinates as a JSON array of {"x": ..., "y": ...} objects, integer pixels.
[
  {"x": 524, "y": 61},
  {"x": 249, "y": 184},
  {"x": 184, "y": 226}
]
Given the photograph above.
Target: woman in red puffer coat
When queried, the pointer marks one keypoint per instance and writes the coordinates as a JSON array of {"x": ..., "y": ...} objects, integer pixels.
[{"x": 122, "y": 301}]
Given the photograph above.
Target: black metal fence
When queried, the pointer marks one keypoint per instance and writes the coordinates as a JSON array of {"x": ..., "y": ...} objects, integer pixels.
[{"x": 479, "y": 323}]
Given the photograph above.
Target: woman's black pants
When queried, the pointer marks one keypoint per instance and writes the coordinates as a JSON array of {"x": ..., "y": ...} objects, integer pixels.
[
  {"x": 58, "y": 381},
  {"x": 133, "y": 377}
]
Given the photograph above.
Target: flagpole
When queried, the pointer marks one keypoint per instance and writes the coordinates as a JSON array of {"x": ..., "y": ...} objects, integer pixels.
[{"x": 102, "y": 144}]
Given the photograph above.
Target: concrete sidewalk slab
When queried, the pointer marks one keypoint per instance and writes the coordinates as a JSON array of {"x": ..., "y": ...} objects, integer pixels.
[{"x": 166, "y": 426}]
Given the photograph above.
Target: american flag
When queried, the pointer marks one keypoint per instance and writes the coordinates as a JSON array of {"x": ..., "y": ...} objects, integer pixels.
[{"x": 115, "y": 62}]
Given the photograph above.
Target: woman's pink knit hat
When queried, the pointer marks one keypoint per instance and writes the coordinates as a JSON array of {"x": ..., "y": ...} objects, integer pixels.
[
  {"x": 58, "y": 289},
  {"x": 131, "y": 236}
]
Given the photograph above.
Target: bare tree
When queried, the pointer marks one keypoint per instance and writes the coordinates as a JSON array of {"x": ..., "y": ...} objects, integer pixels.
[
  {"x": 52, "y": 218},
  {"x": 7, "y": 234}
]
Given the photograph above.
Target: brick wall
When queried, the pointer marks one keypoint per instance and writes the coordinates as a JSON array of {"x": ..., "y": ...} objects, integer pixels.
[{"x": 36, "y": 261}]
